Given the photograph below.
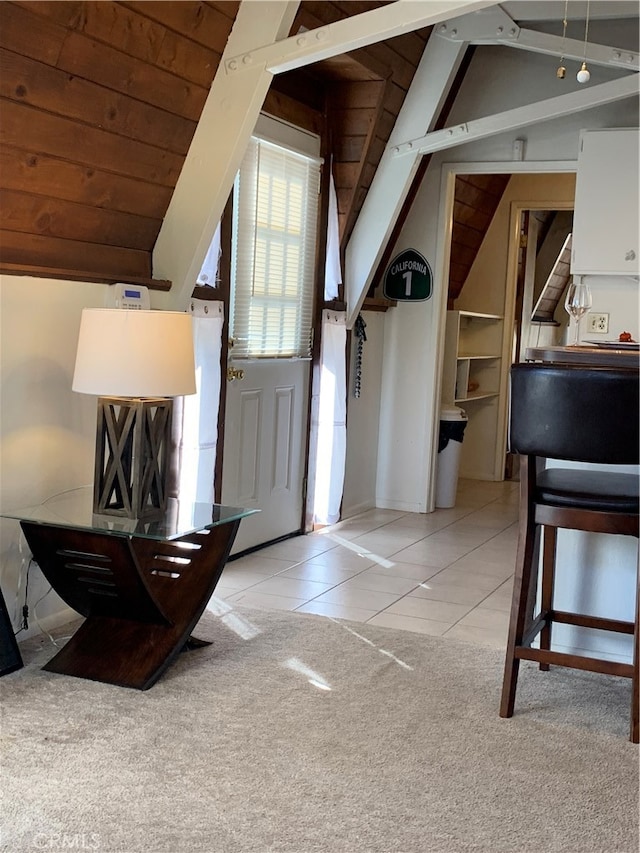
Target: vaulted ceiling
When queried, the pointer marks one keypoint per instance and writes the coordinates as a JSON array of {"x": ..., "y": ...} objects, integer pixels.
[{"x": 99, "y": 102}]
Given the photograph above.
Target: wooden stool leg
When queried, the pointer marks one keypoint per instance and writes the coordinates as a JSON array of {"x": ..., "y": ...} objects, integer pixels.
[
  {"x": 634, "y": 735},
  {"x": 548, "y": 579},
  {"x": 526, "y": 565}
]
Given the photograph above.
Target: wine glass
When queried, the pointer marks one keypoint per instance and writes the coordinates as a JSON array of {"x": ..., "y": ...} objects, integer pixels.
[{"x": 577, "y": 302}]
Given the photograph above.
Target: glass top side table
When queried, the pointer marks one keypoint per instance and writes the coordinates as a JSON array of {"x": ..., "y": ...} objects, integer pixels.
[
  {"x": 142, "y": 585},
  {"x": 74, "y": 508}
]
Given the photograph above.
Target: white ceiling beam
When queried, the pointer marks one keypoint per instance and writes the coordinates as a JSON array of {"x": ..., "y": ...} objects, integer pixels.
[
  {"x": 349, "y": 34},
  {"x": 394, "y": 175},
  {"x": 596, "y": 54},
  {"x": 228, "y": 119},
  {"x": 490, "y": 23},
  {"x": 540, "y": 111},
  {"x": 546, "y": 10},
  {"x": 494, "y": 26}
]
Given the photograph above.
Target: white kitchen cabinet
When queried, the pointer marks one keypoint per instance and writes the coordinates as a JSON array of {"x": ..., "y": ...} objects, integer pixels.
[
  {"x": 605, "y": 223},
  {"x": 471, "y": 380}
]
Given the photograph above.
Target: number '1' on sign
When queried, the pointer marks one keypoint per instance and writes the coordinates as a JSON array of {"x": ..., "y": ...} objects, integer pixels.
[{"x": 408, "y": 278}]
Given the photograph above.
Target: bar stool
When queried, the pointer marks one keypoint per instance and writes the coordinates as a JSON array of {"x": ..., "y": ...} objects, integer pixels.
[{"x": 581, "y": 414}]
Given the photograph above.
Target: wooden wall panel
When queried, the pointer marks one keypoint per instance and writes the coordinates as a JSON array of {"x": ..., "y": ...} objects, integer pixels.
[
  {"x": 54, "y": 218},
  {"x": 110, "y": 23},
  {"x": 130, "y": 76},
  {"x": 36, "y": 131},
  {"x": 26, "y": 81},
  {"x": 229, "y": 8},
  {"x": 289, "y": 109},
  {"x": 362, "y": 112},
  {"x": 356, "y": 147},
  {"x": 100, "y": 101},
  {"x": 141, "y": 34},
  {"x": 476, "y": 200},
  {"x": 31, "y": 250},
  {"x": 60, "y": 179},
  {"x": 200, "y": 22},
  {"x": 29, "y": 34}
]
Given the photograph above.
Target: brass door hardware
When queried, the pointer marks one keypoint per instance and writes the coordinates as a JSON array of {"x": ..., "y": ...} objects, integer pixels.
[{"x": 234, "y": 373}]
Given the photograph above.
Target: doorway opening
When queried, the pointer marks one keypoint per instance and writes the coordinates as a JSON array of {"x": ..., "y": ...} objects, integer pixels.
[{"x": 497, "y": 292}]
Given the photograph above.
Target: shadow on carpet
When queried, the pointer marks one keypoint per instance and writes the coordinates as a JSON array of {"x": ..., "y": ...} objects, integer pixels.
[{"x": 303, "y": 734}]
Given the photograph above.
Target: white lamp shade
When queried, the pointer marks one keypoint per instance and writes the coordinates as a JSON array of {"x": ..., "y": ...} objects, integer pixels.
[{"x": 133, "y": 353}]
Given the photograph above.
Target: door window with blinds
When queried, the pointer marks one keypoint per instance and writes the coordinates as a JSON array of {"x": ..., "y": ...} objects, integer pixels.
[{"x": 273, "y": 265}]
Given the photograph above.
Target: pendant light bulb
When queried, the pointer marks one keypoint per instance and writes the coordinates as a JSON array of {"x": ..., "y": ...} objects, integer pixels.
[{"x": 583, "y": 76}]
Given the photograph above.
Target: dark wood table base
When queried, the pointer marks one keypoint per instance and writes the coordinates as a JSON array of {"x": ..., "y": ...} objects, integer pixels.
[{"x": 141, "y": 597}]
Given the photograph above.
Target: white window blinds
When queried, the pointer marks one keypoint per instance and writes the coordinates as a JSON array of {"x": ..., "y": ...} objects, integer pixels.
[{"x": 273, "y": 270}]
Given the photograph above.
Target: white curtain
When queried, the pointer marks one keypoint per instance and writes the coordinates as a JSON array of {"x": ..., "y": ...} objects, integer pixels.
[
  {"x": 329, "y": 420},
  {"x": 208, "y": 275},
  {"x": 197, "y": 427},
  {"x": 332, "y": 271}
]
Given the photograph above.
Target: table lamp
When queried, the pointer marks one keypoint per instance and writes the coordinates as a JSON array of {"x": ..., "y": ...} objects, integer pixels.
[{"x": 135, "y": 362}]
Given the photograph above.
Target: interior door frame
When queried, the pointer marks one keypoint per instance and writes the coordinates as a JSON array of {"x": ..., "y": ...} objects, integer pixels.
[
  {"x": 449, "y": 172},
  {"x": 517, "y": 209}
]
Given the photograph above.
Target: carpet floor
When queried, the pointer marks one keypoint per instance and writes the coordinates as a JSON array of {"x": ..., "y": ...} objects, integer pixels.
[{"x": 300, "y": 734}]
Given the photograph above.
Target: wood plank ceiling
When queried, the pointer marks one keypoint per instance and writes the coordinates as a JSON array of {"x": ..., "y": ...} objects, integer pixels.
[
  {"x": 475, "y": 201},
  {"x": 99, "y": 102}
]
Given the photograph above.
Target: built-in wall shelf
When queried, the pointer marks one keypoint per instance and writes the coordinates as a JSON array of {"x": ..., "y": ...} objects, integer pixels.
[{"x": 471, "y": 379}]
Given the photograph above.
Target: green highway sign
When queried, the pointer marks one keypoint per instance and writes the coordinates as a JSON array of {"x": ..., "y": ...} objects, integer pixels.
[{"x": 408, "y": 278}]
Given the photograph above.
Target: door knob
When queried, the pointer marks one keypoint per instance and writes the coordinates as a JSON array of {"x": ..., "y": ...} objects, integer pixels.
[{"x": 234, "y": 373}]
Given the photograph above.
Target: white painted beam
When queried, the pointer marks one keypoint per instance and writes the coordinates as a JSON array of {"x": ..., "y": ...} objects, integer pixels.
[
  {"x": 573, "y": 102},
  {"x": 490, "y": 23},
  {"x": 229, "y": 116},
  {"x": 393, "y": 177},
  {"x": 494, "y": 26},
  {"x": 596, "y": 54},
  {"x": 349, "y": 34}
]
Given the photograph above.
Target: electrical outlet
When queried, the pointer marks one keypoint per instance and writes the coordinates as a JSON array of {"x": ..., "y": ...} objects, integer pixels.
[{"x": 598, "y": 323}]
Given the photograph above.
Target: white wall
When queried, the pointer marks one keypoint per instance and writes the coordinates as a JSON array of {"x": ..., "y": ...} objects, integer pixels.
[
  {"x": 498, "y": 78},
  {"x": 359, "y": 492},
  {"x": 484, "y": 289},
  {"x": 410, "y": 377},
  {"x": 47, "y": 432},
  {"x": 617, "y": 296}
]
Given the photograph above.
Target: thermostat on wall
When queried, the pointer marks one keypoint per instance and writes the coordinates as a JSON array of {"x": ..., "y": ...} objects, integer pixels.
[{"x": 128, "y": 296}]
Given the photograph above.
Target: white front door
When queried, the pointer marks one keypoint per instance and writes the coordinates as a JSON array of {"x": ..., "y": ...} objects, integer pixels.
[{"x": 265, "y": 437}]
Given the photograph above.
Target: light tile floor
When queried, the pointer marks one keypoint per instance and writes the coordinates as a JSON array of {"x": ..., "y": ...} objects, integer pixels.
[{"x": 448, "y": 573}]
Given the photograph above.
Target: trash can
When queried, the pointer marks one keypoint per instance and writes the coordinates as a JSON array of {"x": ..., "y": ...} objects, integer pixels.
[{"x": 453, "y": 421}]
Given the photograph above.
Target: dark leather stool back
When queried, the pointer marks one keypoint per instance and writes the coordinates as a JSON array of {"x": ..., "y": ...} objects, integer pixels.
[{"x": 577, "y": 414}]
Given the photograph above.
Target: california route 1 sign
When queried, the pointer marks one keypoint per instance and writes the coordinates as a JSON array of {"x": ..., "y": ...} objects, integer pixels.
[{"x": 408, "y": 278}]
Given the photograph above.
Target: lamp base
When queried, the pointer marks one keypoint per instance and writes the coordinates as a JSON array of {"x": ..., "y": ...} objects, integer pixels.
[{"x": 133, "y": 439}]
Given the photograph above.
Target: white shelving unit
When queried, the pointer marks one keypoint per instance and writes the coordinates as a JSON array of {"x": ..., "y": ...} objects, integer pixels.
[{"x": 471, "y": 380}]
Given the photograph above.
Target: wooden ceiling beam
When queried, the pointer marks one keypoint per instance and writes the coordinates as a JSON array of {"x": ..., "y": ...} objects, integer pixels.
[{"x": 227, "y": 121}]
